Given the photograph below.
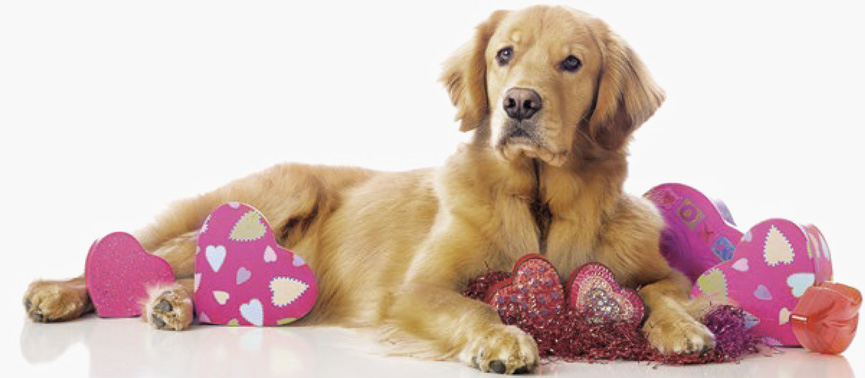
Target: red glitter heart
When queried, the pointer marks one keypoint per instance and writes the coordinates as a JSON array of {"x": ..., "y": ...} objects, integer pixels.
[
  {"x": 534, "y": 290},
  {"x": 593, "y": 290},
  {"x": 826, "y": 317}
]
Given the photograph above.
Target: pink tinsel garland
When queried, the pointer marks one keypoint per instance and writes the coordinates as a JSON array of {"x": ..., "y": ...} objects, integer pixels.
[{"x": 569, "y": 337}]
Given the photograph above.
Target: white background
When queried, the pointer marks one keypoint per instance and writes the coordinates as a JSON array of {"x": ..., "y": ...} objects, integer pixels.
[{"x": 109, "y": 110}]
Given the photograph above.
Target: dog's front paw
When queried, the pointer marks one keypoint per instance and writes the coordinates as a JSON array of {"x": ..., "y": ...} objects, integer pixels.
[
  {"x": 678, "y": 333},
  {"x": 51, "y": 301},
  {"x": 168, "y": 308},
  {"x": 501, "y": 349}
]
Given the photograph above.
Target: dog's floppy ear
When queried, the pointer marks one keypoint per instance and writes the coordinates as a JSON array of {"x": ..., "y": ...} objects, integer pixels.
[
  {"x": 626, "y": 95},
  {"x": 464, "y": 75}
]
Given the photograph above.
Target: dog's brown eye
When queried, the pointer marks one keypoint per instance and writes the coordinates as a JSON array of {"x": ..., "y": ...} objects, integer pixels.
[
  {"x": 505, "y": 55},
  {"x": 571, "y": 63}
]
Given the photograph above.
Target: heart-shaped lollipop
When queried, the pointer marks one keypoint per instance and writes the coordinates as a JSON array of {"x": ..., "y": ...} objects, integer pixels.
[
  {"x": 118, "y": 273},
  {"x": 243, "y": 277}
]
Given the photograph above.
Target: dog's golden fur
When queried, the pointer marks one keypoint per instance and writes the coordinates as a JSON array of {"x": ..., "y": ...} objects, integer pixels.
[{"x": 393, "y": 250}]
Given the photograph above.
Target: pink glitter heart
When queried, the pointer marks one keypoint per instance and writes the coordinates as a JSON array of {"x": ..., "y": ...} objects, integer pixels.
[
  {"x": 594, "y": 291},
  {"x": 533, "y": 289},
  {"x": 118, "y": 273}
]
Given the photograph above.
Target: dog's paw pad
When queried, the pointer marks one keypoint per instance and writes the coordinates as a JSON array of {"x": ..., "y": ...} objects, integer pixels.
[
  {"x": 48, "y": 301},
  {"x": 684, "y": 335},
  {"x": 169, "y": 308},
  {"x": 502, "y": 350}
]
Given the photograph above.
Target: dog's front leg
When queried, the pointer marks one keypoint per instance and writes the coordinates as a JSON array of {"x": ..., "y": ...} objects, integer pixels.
[
  {"x": 630, "y": 248},
  {"x": 672, "y": 325},
  {"x": 429, "y": 308},
  {"x": 462, "y": 328}
]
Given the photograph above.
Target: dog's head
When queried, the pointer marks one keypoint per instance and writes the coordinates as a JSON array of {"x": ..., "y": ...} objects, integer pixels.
[{"x": 550, "y": 80}]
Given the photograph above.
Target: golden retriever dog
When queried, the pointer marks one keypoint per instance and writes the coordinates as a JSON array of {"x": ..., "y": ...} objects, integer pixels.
[{"x": 551, "y": 96}]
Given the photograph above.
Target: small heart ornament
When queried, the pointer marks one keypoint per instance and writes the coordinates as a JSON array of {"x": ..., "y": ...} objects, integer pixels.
[
  {"x": 533, "y": 289},
  {"x": 699, "y": 232},
  {"x": 594, "y": 291},
  {"x": 118, "y": 273},
  {"x": 773, "y": 265},
  {"x": 244, "y": 277}
]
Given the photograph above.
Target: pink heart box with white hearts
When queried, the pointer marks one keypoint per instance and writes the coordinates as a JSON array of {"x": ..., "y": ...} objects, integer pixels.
[
  {"x": 243, "y": 277},
  {"x": 765, "y": 271},
  {"x": 772, "y": 266}
]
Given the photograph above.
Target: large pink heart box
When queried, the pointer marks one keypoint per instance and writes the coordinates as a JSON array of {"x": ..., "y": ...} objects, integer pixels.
[
  {"x": 700, "y": 232},
  {"x": 765, "y": 271},
  {"x": 243, "y": 277},
  {"x": 772, "y": 266}
]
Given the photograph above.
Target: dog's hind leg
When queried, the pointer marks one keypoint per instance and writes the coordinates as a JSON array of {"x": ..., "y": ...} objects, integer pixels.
[
  {"x": 172, "y": 238},
  {"x": 170, "y": 307},
  {"x": 295, "y": 198}
]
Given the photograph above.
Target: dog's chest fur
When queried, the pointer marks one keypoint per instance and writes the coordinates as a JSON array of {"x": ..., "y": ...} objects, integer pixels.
[
  {"x": 567, "y": 212},
  {"x": 540, "y": 210}
]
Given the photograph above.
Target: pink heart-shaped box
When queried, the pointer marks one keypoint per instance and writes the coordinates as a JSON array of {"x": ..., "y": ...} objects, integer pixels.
[
  {"x": 533, "y": 289},
  {"x": 772, "y": 266},
  {"x": 243, "y": 277},
  {"x": 118, "y": 273},
  {"x": 699, "y": 232},
  {"x": 594, "y": 292}
]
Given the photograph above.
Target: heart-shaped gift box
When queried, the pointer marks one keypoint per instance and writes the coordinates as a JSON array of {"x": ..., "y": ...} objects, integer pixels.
[
  {"x": 772, "y": 266},
  {"x": 243, "y": 277},
  {"x": 118, "y": 273},
  {"x": 764, "y": 271},
  {"x": 699, "y": 233}
]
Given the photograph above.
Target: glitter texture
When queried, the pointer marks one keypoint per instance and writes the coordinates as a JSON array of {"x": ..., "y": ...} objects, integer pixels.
[{"x": 574, "y": 335}]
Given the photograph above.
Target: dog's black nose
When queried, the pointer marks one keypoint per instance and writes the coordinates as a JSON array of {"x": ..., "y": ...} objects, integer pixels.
[{"x": 522, "y": 103}]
